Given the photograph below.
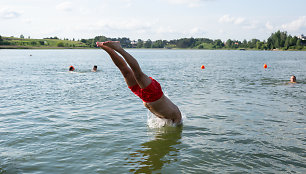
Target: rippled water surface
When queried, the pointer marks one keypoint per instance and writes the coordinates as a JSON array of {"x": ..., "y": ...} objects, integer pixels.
[{"x": 239, "y": 117}]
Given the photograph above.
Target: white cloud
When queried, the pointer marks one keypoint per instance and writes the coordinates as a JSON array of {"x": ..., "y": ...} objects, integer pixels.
[
  {"x": 239, "y": 20},
  {"x": 189, "y": 3},
  {"x": 221, "y": 31},
  {"x": 122, "y": 25},
  {"x": 194, "y": 30},
  {"x": 162, "y": 29},
  {"x": 128, "y": 3},
  {"x": 197, "y": 32},
  {"x": 27, "y": 21},
  {"x": 269, "y": 26},
  {"x": 8, "y": 13},
  {"x": 230, "y": 19},
  {"x": 251, "y": 25},
  {"x": 226, "y": 19},
  {"x": 64, "y": 6},
  {"x": 296, "y": 24}
]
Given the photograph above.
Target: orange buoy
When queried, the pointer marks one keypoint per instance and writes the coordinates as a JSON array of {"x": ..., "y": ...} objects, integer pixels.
[
  {"x": 265, "y": 66},
  {"x": 202, "y": 67}
]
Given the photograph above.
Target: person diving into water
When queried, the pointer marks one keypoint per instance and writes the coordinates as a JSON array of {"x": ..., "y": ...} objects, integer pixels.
[{"x": 146, "y": 88}]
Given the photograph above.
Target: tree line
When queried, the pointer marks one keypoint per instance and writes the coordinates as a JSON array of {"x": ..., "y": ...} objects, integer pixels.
[{"x": 278, "y": 40}]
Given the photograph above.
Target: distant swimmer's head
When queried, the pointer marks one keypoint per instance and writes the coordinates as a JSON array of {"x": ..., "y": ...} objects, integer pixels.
[
  {"x": 95, "y": 68},
  {"x": 293, "y": 79},
  {"x": 71, "y": 68}
]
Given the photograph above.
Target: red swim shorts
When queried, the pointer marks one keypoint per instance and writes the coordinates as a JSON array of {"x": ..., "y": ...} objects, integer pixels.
[{"x": 151, "y": 93}]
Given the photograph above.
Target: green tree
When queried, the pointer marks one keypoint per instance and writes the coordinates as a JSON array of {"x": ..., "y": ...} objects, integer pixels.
[
  {"x": 265, "y": 46},
  {"x": 287, "y": 43},
  {"x": 252, "y": 43},
  {"x": 158, "y": 44},
  {"x": 218, "y": 44},
  {"x": 84, "y": 41},
  {"x": 148, "y": 44},
  {"x": 259, "y": 45},
  {"x": 139, "y": 43},
  {"x": 33, "y": 43},
  {"x": 283, "y": 37},
  {"x": 299, "y": 44},
  {"x": 186, "y": 43},
  {"x": 229, "y": 43},
  {"x": 293, "y": 41},
  {"x": 244, "y": 44},
  {"x": 60, "y": 44},
  {"x": 100, "y": 39},
  {"x": 277, "y": 39},
  {"x": 125, "y": 42},
  {"x": 270, "y": 44}
]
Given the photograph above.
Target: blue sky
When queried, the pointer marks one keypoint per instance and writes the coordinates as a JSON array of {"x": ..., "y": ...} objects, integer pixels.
[{"x": 152, "y": 19}]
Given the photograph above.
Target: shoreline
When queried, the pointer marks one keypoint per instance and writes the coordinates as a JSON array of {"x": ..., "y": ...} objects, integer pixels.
[
  {"x": 50, "y": 48},
  {"x": 35, "y": 48}
]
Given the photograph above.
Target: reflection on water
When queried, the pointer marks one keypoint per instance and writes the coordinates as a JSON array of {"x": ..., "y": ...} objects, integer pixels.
[
  {"x": 1, "y": 170},
  {"x": 242, "y": 118},
  {"x": 153, "y": 154}
]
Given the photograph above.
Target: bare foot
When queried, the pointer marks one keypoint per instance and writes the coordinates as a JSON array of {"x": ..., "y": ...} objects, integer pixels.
[
  {"x": 101, "y": 45},
  {"x": 113, "y": 44}
]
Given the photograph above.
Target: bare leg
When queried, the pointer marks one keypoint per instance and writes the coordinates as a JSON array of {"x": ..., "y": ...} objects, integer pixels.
[
  {"x": 142, "y": 79},
  {"x": 121, "y": 64}
]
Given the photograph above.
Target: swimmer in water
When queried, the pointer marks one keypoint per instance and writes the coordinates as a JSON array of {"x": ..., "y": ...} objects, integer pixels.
[
  {"x": 95, "y": 68},
  {"x": 71, "y": 68},
  {"x": 146, "y": 88},
  {"x": 293, "y": 79}
]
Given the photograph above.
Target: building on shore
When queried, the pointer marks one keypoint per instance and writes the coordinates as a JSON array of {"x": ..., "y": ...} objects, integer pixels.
[
  {"x": 134, "y": 44},
  {"x": 303, "y": 39}
]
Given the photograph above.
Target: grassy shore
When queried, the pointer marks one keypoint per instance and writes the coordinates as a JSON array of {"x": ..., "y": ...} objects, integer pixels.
[{"x": 20, "y": 43}]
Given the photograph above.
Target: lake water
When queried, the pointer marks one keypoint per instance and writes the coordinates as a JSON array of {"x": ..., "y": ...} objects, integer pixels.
[{"x": 238, "y": 116}]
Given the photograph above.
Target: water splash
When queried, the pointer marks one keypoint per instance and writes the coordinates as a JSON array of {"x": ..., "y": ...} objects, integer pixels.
[{"x": 155, "y": 122}]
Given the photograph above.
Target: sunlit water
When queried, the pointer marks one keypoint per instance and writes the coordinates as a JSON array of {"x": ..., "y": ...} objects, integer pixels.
[{"x": 238, "y": 116}]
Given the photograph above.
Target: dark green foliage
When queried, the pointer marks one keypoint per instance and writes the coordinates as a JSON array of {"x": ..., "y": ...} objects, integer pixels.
[
  {"x": 281, "y": 40},
  {"x": 140, "y": 43},
  {"x": 186, "y": 43},
  {"x": 277, "y": 40},
  {"x": 55, "y": 37},
  {"x": 60, "y": 44},
  {"x": 148, "y": 44}
]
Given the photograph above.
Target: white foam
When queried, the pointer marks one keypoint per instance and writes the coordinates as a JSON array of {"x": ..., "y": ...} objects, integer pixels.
[{"x": 156, "y": 122}]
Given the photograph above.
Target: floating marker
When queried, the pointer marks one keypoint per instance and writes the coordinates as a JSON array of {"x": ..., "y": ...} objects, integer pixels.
[
  {"x": 202, "y": 67},
  {"x": 265, "y": 66}
]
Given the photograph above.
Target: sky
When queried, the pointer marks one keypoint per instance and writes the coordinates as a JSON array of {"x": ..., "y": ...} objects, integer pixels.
[{"x": 152, "y": 19}]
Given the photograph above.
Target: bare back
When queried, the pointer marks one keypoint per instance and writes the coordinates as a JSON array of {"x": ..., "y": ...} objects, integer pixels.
[{"x": 164, "y": 108}]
